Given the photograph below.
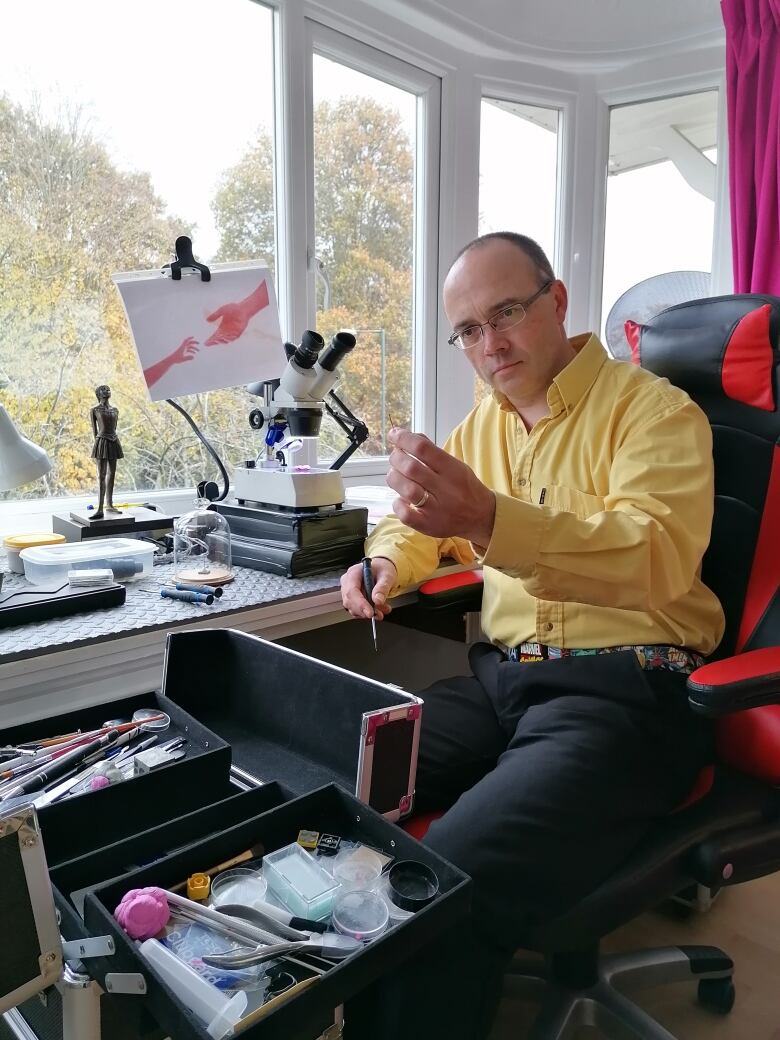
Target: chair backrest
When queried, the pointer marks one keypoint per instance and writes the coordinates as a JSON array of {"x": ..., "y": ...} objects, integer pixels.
[{"x": 725, "y": 353}]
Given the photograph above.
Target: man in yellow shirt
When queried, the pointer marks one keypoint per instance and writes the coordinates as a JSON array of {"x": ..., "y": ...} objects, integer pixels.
[{"x": 584, "y": 486}]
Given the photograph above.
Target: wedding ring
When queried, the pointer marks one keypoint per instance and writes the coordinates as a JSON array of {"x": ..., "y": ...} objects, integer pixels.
[{"x": 423, "y": 500}]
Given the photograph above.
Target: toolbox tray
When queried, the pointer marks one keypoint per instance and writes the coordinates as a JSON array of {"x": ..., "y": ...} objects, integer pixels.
[
  {"x": 326, "y": 810},
  {"x": 291, "y": 718},
  {"x": 147, "y": 846},
  {"x": 83, "y": 823}
]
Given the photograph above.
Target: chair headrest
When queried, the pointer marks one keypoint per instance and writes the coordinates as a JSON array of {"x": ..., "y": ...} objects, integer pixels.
[{"x": 723, "y": 346}]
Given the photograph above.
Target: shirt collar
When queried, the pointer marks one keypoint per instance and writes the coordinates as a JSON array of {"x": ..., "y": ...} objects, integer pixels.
[{"x": 571, "y": 384}]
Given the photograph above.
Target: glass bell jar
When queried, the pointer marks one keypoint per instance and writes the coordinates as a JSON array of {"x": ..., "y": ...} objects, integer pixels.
[{"x": 201, "y": 547}]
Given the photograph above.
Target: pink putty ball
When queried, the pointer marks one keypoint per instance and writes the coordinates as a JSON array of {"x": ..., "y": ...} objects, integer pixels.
[{"x": 143, "y": 912}]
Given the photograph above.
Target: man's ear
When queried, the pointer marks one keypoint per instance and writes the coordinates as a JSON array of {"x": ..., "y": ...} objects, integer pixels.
[{"x": 561, "y": 298}]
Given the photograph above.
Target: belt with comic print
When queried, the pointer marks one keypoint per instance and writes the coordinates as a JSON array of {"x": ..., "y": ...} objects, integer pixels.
[{"x": 673, "y": 658}]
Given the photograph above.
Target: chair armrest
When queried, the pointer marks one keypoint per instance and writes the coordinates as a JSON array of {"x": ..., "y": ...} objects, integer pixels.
[
  {"x": 737, "y": 856},
  {"x": 461, "y": 591},
  {"x": 736, "y": 683}
]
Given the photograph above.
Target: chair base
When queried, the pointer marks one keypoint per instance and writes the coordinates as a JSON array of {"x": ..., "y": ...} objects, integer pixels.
[{"x": 578, "y": 990}]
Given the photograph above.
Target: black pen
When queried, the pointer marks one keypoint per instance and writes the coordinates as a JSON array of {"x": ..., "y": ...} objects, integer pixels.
[{"x": 368, "y": 588}]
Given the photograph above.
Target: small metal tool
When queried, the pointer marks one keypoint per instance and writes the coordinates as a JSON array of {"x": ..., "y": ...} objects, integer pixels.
[{"x": 368, "y": 588}]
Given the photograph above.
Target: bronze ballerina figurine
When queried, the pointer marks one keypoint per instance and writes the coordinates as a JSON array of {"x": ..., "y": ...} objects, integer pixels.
[{"x": 106, "y": 450}]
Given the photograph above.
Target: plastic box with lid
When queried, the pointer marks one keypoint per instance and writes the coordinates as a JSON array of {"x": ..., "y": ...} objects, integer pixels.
[
  {"x": 14, "y": 543},
  {"x": 128, "y": 558}
]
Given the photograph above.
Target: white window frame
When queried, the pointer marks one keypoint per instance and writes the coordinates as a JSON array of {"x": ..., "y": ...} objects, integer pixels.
[
  {"x": 379, "y": 64},
  {"x": 654, "y": 89}
]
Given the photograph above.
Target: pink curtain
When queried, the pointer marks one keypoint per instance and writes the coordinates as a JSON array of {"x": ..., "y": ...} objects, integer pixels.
[{"x": 753, "y": 95}]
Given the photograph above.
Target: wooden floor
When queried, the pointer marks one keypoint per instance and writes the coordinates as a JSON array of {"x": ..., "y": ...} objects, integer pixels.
[{"x": 745, "y": 922}]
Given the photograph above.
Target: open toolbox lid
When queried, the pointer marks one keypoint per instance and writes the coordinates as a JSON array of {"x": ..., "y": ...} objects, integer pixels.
[
  {"x": 291, "y": 718},
  {"x": 31, "y": 959}
]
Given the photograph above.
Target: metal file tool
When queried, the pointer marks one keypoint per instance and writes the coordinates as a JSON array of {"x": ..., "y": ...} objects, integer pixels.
[{"x": 368, "y": 588}]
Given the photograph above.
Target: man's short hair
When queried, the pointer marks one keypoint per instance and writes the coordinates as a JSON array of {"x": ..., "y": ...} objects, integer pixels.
[{"x": 526, "y": 245}]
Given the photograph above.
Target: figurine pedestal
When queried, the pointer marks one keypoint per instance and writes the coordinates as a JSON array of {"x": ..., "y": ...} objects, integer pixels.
[
  {"x": 77, "y": 527},
  {"x": 108, "y": 520}
]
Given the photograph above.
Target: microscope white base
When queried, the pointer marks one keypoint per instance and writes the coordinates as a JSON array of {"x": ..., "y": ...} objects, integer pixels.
[{"x": 306, "y": 489}]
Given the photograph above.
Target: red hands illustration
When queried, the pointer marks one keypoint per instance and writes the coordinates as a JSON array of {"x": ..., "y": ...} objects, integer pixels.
[
  {"x": 185, "y": 351},
  {"x": 233, "y": 318}
]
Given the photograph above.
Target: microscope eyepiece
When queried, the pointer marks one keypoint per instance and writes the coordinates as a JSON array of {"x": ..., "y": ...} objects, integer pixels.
[
  {"x": 307, "y": 353},
  {"x": 340, "y": 345}
]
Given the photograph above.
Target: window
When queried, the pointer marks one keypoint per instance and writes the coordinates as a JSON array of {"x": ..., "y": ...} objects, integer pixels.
[
  {"x": 518, "y": 170},
  {"x": 365, "y": 214},
  {"x": 518, "y": 174},
  {"x": 141, "y": 128},
  {"x": 660, "y": 193}
]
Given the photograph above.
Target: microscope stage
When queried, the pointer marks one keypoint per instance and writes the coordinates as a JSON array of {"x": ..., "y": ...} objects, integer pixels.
[{"x": 291, "y": 488}]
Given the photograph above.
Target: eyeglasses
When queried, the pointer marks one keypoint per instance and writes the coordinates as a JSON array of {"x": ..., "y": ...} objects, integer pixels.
[{"x": 505, "y": 319}]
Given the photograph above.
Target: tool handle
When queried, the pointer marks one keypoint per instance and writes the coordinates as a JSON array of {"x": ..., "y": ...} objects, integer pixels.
[
  {"x": 187, "y": 596},
  {"x": 207, "y": 590},
  {"x": 368, "y": 579}
]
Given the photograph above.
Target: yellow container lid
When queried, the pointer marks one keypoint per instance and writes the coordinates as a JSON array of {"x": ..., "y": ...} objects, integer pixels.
[{"x": 27, "y": 541}]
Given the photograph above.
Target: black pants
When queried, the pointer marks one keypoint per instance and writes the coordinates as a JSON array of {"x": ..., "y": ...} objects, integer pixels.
[{"x": 551, "y": 772}]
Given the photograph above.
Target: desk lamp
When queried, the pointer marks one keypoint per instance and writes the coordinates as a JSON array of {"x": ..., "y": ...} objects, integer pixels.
[{"x": 21, "y": 461}]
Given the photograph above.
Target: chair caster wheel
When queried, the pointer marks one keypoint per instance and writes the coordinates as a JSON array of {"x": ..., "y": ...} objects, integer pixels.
[{"x": 717, "y": 995}]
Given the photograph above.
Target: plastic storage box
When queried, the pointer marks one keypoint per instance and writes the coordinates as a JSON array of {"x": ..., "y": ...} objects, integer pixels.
[
  {"x": 15, "y": 543},
  {"x": 49, "y": 564},
  {"x": 299, "y": 882}
]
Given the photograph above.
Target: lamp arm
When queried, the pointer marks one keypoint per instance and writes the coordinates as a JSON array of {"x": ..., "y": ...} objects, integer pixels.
[{"x": 355, "y": 429}]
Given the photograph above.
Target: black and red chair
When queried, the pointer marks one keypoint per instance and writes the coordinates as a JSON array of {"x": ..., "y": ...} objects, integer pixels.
[{"x": 725, "y": 352}]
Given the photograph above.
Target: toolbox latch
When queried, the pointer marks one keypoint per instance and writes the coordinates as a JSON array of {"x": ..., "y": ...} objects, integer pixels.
[
  {"x": 131, "y": 982},
  {"x": 92, "y": 946}
]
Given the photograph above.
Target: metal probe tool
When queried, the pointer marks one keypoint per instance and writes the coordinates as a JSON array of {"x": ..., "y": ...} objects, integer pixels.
[{"x": 368, "y": 588}]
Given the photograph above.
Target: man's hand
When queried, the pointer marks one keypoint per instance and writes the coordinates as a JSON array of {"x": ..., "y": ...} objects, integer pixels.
[
  {"x": 352, "y": 595},
  {"x": 439, "y": 495}
]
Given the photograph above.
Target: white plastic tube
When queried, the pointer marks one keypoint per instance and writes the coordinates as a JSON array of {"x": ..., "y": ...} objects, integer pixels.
[{"x": 218, "y": 1012}]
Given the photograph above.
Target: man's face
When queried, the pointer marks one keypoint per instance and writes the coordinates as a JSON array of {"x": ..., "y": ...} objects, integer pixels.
[{"x": 520, "y": 362}]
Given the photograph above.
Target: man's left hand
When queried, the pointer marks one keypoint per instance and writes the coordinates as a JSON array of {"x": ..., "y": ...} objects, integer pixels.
[{"x": 439, "y": 494}]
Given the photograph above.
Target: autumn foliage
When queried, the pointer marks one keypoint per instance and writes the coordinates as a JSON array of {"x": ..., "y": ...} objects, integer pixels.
[{"x": 69, "y": 218}]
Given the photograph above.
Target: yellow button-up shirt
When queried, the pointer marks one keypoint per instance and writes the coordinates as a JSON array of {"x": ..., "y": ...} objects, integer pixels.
[{"x": 603, "y": 513}]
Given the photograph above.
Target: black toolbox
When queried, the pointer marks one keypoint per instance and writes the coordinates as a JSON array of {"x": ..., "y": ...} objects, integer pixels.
[
  {"x": 307, "y": 1014},
  {"x": 269, "y": 715}
]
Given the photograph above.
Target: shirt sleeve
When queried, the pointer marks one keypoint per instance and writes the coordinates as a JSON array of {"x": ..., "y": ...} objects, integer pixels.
[
  {"x": 416, "y": 556},
  {"x": 642, "y": 550}
]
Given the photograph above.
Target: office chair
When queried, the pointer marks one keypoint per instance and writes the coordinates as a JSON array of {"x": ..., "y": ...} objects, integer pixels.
[{"x": 725, "y": 352}]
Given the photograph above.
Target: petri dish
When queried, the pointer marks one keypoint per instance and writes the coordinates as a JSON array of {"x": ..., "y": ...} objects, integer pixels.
[
  {"x": 357, "y": 868},
  {"x": 359, "y": 913},
  {"x": 239, "y": 885}
]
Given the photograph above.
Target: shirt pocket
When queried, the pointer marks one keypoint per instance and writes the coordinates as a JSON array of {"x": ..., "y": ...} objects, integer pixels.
[{"x": 564, "y": 499}]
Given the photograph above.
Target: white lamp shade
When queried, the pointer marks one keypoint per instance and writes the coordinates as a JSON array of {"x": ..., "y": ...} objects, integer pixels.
[{"x": 21, "y": 461}]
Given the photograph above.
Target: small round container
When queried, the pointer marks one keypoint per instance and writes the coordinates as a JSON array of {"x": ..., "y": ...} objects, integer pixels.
[
  {"x": 363, "y": 915},
  {"x": 397, "y": 915},
  {"x": 239, "y": 885},
  {"x": 411, "y": 885},
  {"x": 14, "y": 543},
  {"x": 357, "y": 868}
]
